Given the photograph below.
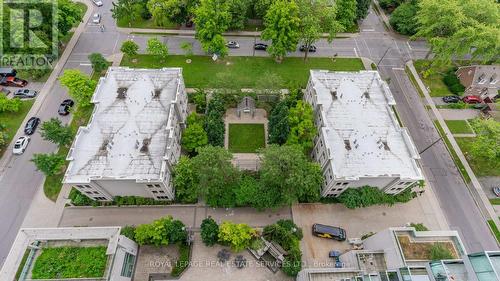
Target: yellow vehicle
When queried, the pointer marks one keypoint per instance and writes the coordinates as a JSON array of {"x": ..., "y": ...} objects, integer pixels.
[{"x": 330, "y": 232}]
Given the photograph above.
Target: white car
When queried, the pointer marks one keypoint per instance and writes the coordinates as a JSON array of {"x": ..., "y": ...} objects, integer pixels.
[
  {"x": 98, "y": 3},
  {"x": 232, "y": 45},
  {"x": 20, "y": 145},
  {"x": 96, "y": 18}
]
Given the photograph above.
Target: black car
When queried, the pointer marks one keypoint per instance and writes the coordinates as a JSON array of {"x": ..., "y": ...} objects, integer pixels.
[
  {"x": 260, "y": 46},
  {"x": 31, "y": 125},
  {"x": 312, "y": 48},
  {"x": 451, "y": 99},
  {"x": 328, "y": 231},
  {"x": 65, "y": 107}
]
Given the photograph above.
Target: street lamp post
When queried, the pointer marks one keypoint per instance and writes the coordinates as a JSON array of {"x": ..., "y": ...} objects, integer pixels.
[{"x": 254, "y": 41}]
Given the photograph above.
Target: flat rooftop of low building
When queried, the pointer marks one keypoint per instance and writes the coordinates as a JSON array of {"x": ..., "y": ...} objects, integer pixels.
[
  {"x": 128, "y": 134},
  {"x": 361, "y": 128}
]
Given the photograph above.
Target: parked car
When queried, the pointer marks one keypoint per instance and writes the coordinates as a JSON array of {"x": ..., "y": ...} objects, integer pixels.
[
  {"x": 472, "y": 99},
  {"x": 20, "y": 145},
  {"x": 25, "y": 94},
  {"x": 98, "y": 3},
  {"x": 496, "y": 190},
  {"x": 13, "y": 81},
  {"x": 7, "y": 72},
  {"x": 330, "y": 232},
  {"x": 232, "y": 45},
  {"x": 4, "y": 91},
  {"x": 65, "y": 107},
  {"x": 96, "y": 18},
  {"x": 31, "y": 125},
  {"x": 312, "y": 48},
  {"x": 451, "y": 99},
  {"x": 260, "y": 46}
]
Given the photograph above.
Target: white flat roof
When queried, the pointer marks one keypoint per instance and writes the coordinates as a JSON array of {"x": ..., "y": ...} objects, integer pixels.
[
  {"x": 361, "y": 129},
  {"x": 129, "y": 132}
]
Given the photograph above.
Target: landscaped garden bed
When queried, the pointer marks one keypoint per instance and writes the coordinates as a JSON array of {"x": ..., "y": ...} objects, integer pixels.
[
  {"x": 246, "y": 138},
  {"x": 70, "y": 262},
  {"x": 426, "y": 250}
]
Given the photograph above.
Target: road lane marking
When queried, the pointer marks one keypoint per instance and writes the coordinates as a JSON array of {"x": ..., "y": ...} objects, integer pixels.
[
  {"x": 369, "y": 29},
  {"x": 356, "y": 52},
  {"x": 398, "y": 68},
  {"x": 408, "y": 43},
  {"x": 85, "y": 64}
]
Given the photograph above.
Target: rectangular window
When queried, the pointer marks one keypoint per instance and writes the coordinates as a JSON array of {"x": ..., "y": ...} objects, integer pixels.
[
  {"x": 100, "y": 198},
  {"x": 79, "y": 186},
  {"x": 154, "y": 191},
  {"x": 157, "y": 185},
  {"x": 88, "y": 186},
  {"x": 345, "y": 183},
  {"x": 128, "y": 265}
]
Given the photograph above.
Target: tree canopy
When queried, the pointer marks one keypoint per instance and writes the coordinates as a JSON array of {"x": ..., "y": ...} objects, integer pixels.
[
  {"x": 212, "y": 18},
  {"x": 99, "y": 63},
  {"x": 487, "y": 143},
  {"x": 80, "y": 86},
  {"x": 129, "y": 48},
  {"x": 346, "y": 13},
  {"x": 157, "y": 48},
  {"x": 49, "y": 164},
  {"x": 302, "y": 127},
  {"x": 128, "y": 10},
  {"x": 54, "y": 131},
  {"x": 403, "y": 18}
]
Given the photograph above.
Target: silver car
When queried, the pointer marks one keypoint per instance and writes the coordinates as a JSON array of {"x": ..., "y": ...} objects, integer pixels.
[
  {"x": 98, "y": 3},
  {"x": 96, "y": 18},
  {"x": 25, "y": 94}
]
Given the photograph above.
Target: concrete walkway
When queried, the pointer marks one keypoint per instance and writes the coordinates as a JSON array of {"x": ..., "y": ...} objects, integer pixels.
[
  {"x": 458, "y": 114},
  {"x": 478, "y": 193}
]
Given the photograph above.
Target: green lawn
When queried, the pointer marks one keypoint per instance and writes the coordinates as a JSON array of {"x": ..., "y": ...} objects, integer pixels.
[
  {"x": 495, "y": 201},
  {"x": 246, "y": 138},
  {"x": 481, "y": 167},
  {"x": 494, "y": 229},
  {"x": 433, "y": 81},
  {"x": 70, "y": 262},
  {"x": 453, "y": 153},
  {"x": 142, "y": 23},
  {"x": 12, "y": 121},
  {"x": 459, "y": 126},
  {"x": 244, "y": 72},
  {"x": 414, "y": 81}
]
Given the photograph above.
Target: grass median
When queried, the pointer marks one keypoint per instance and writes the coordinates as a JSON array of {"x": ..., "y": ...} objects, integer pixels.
[
  {"x": 12, "y": 121},
  {"x": 244, "y": 72}
]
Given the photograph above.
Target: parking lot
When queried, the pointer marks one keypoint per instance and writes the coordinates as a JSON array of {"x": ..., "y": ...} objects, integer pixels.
[{"x": 356, "y": 222}]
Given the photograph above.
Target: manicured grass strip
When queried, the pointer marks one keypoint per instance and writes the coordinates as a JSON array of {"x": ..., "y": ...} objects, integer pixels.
[
  {"x": 459, "y": 126},
  {"x": 453, "y": 153},
  {"x": 142, "y": 23},
  {"x": 397, "y": 116},
  {"x": 494, "y": 229},
  {"x": 414, "y": 81},
  {"x": 70, "y": 262},
  {"x": 244, "y": 72},
  {"x": 246, "y": 138},
  {"x": 21, "y": 265},
  {"x": 435, "y": 80},
  {"x": 481, "y": 167},
  {"x": 495, "y": 201},
  {"x": 12, "y": 121}
]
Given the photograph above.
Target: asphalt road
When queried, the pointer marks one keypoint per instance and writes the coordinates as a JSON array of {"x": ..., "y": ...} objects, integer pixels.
[{"x": 19, "y": 179}]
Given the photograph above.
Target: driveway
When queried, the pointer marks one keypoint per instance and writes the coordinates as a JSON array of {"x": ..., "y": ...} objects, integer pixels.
[
  {"x": 487, "y": 183},
  {"x": 357, "y": 223},
  {"x": 459, "y": 114}
]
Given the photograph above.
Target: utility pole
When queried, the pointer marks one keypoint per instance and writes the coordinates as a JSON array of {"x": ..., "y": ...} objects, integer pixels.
[
  {"x": 254, "y": 41},
  {"x": 383, "y": 56},
  {"x": 436, "y": 141}
]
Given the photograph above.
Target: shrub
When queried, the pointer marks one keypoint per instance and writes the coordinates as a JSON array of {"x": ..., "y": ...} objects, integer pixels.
[
  {"x": 185, "y": 181},
  {"x": 458, "y": 105},
  {"x": 287, "y": 234},
  {"x": 78, "y": 199},
  {"x": 163, "y": 231},
  {"x": 367, "y": 196},
  {"x": 419, "y": 226},
  {"x": 439, "y": 252},
  {"x": 214, "y": 123},
  {"x": 128, "y": 231},
  {"x": 452, "y": 82},
  {"x": 209, "y": 231},
  {"x": 200, "y": 100},
  {"x": 182, "y": 263},
  {"x": 403, "y": 18},
  {"x": 9, "y": 105},
  {"x": 237, "y": 236}
]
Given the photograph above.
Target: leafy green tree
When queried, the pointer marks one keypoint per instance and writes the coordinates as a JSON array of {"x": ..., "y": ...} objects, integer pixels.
[
  {"x": 456, "y": 28},
  {"x": 80, "y": 86},
  {"x": 346, "y": 13},
  {"x": 161, "y": 232},
  {"x": 49, "y": 164},
  {"x": 390, "y": 5},
  {"x": 403, "y": 18},
  {"x": 214, "y": 124},
  {"x": 99, "y": 63},
  {"x": 9, "y": 105},
  {"x": 261, "y": 6},
  {"x": 238, "y": 236},
  {"x": 279, "y": 128},
  {"x": 282, "y": 24},
  {"x": 302, "y": 128},
  {"x": 317, "y": 17},
  {"x": 200, "y": 100},
  {"x": 217, "y": 177},
  {"x": 3, "y": 137},
  {"x": 68, "y": 14},
  {"x": 127, "y": 10},
  {"x": 212, "y": 18},
  {"x": 54, "y": 131},
  {"x": 289, "y": 176},
  {"x": 487, "y": 143},
  {"x": 362, "y": 8},
  {"x": 185, "y": 181},
  {"x": 209, "y": 231},
  {"x": 156, "y": 48},
  {"x": 238, "y": 10},
  {"x": 367, "y": 196},
  {"x": 193, "y": 137},
  {"x": 129, "y": 48},
  {"x": 128, "y": 231},
  {"x": 247, "y": 193}
]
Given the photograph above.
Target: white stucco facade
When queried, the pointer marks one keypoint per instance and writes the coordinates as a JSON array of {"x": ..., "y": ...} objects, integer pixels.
[
  {"x": 133, "y": 138},
  {"x": 359, "y": 141}
]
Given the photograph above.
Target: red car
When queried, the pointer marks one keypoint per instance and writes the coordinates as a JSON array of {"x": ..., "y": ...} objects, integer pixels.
[
  {"x": 472, "y": 99},
  {"x": 13, "y": 82}
]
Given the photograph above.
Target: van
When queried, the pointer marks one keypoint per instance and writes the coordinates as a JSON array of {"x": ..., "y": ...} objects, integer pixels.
[{"x": 331, "y": 232}]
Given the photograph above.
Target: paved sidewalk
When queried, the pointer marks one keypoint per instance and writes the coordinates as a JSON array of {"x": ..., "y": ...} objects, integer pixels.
[
  {"x": 459, "y": 114},
  {"x": 481, "y": 199}
]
